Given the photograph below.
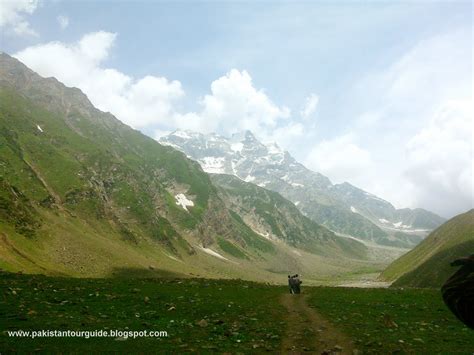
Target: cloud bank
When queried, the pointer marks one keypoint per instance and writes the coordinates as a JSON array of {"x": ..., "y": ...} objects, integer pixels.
[
  {"x": 440, "y": 159},
  {"x": 137, "y": 102},
  {"x": 12, "y": 17}
]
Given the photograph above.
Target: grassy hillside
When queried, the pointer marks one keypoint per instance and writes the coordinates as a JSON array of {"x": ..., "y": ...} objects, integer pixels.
[
  {"x": 427, "y": 265},
  {"x": 394, "y": 321}
]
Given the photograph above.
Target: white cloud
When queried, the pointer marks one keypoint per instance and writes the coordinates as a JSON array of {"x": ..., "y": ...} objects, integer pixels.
[
  {"x": 63, "y": 21},
  {"x": 310, "y": 106},
  {"x": 234, "y": 105},
  {"x": 12, "y": 16},
  {"x": 158, "y": 133},
  {"x": 342, "y": 159},
  {"x": 406, "y": 93},
  {"x": 415, "y": 164},
  {"x": 287, "y": 135},
  {"x": 440, "y": 159},
  {"x": 137, "y": 102}
]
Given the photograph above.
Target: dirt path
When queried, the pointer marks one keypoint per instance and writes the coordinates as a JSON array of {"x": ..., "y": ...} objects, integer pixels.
[{"x": 308, "y": 331}]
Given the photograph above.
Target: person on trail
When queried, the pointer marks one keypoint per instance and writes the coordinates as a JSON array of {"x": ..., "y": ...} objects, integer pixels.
[
  {"x": 458, "y": 291},
  {"x": 296, "y": 284},
  {"x": 290, "y": 284}
]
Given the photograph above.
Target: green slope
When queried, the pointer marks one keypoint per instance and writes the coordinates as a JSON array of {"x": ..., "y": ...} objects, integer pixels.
[
  {"x": 272, "y": 215},
  {"x": 69, "y": 171},
  {"x": 427, "y": 265}
]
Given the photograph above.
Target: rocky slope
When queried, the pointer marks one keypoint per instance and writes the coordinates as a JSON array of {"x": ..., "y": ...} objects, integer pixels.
[{"x": 275, "y": 218}]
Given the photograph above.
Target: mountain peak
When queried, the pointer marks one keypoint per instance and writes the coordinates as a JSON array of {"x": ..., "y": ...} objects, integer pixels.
[
  {"x": 269, "y": 166},
  {"x": 16, "y": 75},
  {"x": 244, "y": 136},
  {"x": 185, "y": 134}
]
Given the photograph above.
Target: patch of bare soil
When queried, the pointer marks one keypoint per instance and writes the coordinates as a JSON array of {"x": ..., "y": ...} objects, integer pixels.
[{"x": 308, "y": 332}]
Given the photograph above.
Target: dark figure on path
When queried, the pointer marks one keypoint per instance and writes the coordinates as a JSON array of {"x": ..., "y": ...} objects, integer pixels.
[
  {"x": 458, "y": 291},
  {"x": 297, "y": 282},
  {"x": 294, "y": 283},
  {"x": 290, "y": 284}
]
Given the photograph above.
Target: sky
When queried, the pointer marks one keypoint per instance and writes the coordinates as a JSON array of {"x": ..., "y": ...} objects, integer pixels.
[{"x": 376, "y": 93}]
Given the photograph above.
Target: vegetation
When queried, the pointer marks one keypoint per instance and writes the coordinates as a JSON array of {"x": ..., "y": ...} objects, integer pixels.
[
  {"x": 216, "y": 315},
  {"x": 384, "y": 321},
  {"x": 231, "y": 249},
  {"x": 198, "y": 315},
  {"x": 428, "y": 264}
]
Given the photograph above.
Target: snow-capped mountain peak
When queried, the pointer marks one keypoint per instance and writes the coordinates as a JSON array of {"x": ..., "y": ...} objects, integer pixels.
[{"x": 341, "y": 207}]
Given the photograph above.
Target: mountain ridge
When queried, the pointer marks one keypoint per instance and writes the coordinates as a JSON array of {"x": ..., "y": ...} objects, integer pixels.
[{"x": 342, "y": 208}]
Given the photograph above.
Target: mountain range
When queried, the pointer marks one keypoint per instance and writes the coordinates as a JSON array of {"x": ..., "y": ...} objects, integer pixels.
[
  {"x": 83, "y": 194},
  {"x": 343, "y": 208}
]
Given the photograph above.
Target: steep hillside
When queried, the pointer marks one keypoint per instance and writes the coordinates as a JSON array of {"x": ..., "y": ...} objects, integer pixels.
[
  {"x": 428, "y": 264},
  {"x": 342, "y": 208},
  {"x": 60, "y": 157},
  {"x": 83, "y": 194},
  {"x": 276, "y": 218}
]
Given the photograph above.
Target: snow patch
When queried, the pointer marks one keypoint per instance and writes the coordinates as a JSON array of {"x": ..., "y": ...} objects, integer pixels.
[
  {"x": 237, "y": 147},
  {"x": 182, "y": 200},
  {"x": 213, "y": 165},
  {"x": 265, "y": 235},
  {"x": 213, "y": 253},
  {"x": 181, "y": 134},
  {"x": 173, "y": 258},
  {"x": 400, "y": 225},
  {"x": 273, "y": 148},
  {"x": 39, "y": 128},
  {"x": 383, "y": 220},
  {"x": 297, "y": 203},
  {"x": 354, "y": 210},
  {"x": 169, "y": 144},
  {"x": 249, "y": 178},
  {"x": 295, "y": 184}
]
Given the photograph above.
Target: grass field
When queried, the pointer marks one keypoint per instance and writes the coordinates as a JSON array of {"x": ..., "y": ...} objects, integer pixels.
[
  {"x": 217, "y": 315},
  {"x": 394, "y": 320},
  {"x": 197, "y": 314}
]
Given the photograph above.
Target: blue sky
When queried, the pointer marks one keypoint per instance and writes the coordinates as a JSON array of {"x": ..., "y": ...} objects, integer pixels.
[{"x": 383, "y": 80}]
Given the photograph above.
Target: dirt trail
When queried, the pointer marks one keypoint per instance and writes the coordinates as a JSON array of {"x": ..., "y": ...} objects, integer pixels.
[{"x": 307, "y": 331}]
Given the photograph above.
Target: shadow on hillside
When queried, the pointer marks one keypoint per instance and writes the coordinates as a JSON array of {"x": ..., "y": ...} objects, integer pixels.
[{"x": 145, "y": 273}]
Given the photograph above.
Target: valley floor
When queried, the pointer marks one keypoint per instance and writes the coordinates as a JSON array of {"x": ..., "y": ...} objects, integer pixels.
[{"x": 224, "y": 316}]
